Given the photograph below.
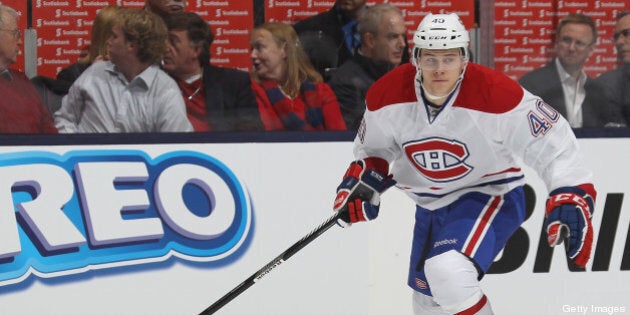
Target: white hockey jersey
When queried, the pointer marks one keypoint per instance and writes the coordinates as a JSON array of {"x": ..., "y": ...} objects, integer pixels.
[{"x": 475, "y": 142}]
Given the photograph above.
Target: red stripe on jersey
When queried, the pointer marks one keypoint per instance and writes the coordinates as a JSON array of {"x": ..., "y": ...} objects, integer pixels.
[
  {"x": 509, "y": 170},
  {"x": 475, "y": 308},
  {"x": 481, "y": 226}
]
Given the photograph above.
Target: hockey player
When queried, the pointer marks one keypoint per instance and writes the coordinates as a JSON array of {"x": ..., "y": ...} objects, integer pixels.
[{"x": 448, "y": 132}]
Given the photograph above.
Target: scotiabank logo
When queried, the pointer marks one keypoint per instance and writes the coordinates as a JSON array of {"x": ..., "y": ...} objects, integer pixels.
[{"x": 68, "y": 214}]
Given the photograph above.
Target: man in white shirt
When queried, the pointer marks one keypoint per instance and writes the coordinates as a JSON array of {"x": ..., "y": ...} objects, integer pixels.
[
  {"x": 128, "y": 93},
  {"x": 563, "y": 83}
]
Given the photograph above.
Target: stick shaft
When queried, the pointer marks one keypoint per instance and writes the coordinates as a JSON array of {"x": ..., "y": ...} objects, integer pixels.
[{"x": 271, "y": 265}]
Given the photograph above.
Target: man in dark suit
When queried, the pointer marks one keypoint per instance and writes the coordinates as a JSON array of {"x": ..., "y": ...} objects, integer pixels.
[
  {"x": 383, "y": 35},
  {"x": 563, "y": 83},
  {"x": 217, "y": 99},
  {"x": 338, "y": 26},
  {"x": 616, "y": 82}
]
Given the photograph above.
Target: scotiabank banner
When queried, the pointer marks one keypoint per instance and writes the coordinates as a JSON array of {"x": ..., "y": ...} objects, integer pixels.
[
  {"x": 525, "y": 32},
  {"x": 64, "y": 28},
  {"x": 231, "y": 22},
  {"x": 63, "y": 31},
  {"x": 171, "y": 228},
  {"x": 291, "y": 11}
]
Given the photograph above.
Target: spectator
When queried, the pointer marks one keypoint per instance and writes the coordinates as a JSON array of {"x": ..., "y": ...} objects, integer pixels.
[
  {"x": 339, "y": 25},
  {"x": 129, "y": 92},
  {"x": 101, "y": 30},
  {"x": 21, "y": 110},
  {"x": 617, "y": 82},
  {"x": 383, "y": 33},
  {"x": 52, "y": 90},
  {"x": 290, "y": 92},
  {"x": 217, "y": 99},
  {"x": 165, "y": 8},
  {"x": 563, "y": 83},
  {"x": 321, "y": 51}
]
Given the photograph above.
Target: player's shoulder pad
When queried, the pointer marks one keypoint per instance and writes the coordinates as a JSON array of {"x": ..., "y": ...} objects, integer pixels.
[
  {"x": 487, "y": 90},
  {"x": 396, "y": 86}
]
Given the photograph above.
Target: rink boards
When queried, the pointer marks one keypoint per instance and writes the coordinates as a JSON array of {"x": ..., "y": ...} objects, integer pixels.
[{"x": 144, "y": 245}]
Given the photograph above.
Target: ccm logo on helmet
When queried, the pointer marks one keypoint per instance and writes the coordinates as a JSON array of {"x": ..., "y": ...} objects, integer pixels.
[
  {"x": 68, "y": 214},
  {"x": 438, "y": 159}
]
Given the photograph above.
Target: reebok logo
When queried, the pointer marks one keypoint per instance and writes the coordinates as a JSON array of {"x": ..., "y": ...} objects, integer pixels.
[{"x": 451, "y": 241}]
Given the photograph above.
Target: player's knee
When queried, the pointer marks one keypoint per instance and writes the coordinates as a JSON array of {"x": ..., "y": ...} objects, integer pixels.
[
  {"x": 425, "y": 305},
  {"x": 453, "y": 281}
]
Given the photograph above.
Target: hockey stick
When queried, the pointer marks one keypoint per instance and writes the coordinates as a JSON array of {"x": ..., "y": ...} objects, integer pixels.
[{"x": 272, "y": 264}]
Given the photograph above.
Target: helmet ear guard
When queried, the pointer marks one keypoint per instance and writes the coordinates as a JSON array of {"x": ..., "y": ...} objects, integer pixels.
[{"x": 415, "y": 54}]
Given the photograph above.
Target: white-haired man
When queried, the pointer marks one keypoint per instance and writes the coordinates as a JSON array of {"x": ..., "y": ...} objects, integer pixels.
[
  {"x": 448, "y": 132},
  {"x": 21, "y": 109},
  {"x": 383, "y": 43}
]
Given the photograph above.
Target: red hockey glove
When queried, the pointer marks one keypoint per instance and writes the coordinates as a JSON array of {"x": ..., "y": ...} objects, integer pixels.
[
  {"x": 358, "y": 195},
  {"x": 568, "y": 218}
]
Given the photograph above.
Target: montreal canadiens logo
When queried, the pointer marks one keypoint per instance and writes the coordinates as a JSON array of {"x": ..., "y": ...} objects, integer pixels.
[{"x": 438, "y": 159}]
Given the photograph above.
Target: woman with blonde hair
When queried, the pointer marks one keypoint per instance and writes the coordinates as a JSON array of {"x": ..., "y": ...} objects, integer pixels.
[
  {"x": 291, "y": 94},
  {"x": 50, "y": 90},
  {"x": 101, "y": 30}
]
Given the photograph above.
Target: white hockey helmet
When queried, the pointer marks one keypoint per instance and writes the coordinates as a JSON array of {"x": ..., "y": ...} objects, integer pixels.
[{"x": 440, "y": 31}]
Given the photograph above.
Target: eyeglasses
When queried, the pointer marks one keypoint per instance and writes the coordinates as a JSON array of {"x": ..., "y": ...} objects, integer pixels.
[
  {"x": 428, "y": 62},
  {"x": 625, "y": 33},
  {"x": 16, "y": 32},
  {"x": 579, "y": 45}
]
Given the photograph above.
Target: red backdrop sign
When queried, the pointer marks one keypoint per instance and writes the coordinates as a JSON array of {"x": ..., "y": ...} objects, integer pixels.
[
  {"x": 64, "y": 26},
  {"x": 63, "y": 31},
  {"x": 231, "y": 22},
  {"x": 291, "y": 11},
  {"x": 525, "y": 30}
]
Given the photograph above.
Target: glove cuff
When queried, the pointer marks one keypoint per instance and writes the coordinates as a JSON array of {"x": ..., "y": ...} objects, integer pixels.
[
  {"x": 582, "y": 196},
  {"x": 377, "y": 164},
  {"x": 586, "y": 190}
]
